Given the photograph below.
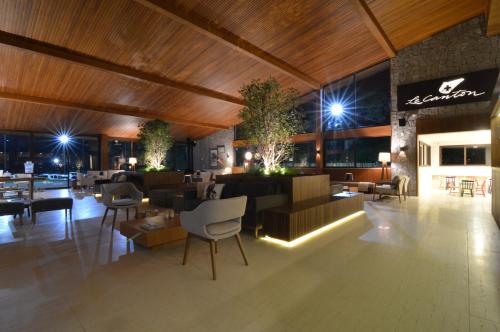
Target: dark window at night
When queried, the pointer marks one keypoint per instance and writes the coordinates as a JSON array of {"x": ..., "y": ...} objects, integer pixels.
[
  {"x": 339, "y": 105},
  {"x": 368, "y": 148},
  {"x": 239, "y": 155},
  {"x": 119, "y": 152},
  {"x": 339, "y": 152},
  {"x": 476, "y": 155},
  {"x": 14, "y": 151},
  {"x": 304, "y": 155},
  {"x": 308, "y": 108},
  {"x": 452, "y": 156},
  {"x": 373, "y": 99},
  {"x": 359, "y": 100},
  {"x": 239, "y": 133},
  {"x": 355, "y": 152},
  {"x": 177, "y": 157}
]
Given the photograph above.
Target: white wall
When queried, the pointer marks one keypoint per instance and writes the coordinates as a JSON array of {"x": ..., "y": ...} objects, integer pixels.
[{"x": 428, "y": 176}]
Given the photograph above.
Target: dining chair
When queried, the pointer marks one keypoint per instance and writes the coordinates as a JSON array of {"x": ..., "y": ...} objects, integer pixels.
[
  {"x": 214, "y": 220},
  {"x": 120, "y": 195},
  {"x": 467, "y": 186}
]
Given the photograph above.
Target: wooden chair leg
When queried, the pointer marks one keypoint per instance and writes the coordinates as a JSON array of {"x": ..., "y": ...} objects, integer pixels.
[
  {"x": 399, "y": 198},
  {"x": 212, "y": 256},
  {"x": 136, "y": 212},
  {"x": 114, "y": 218},
  {"x": 70, "y": 214},
  {"x": 127, "y": 214},
  {"x": 65, "y": 214},
  {"x": 216, "y": 247},
  {"x": 238, "y": 239},
  {"x": 186, "y": 248},
  {"x": 33, "y": 217},
  {"x": 104, "y": 217}
]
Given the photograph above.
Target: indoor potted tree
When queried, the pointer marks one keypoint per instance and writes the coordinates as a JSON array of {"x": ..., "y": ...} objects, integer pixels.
[{"x": 270, "y": 120}]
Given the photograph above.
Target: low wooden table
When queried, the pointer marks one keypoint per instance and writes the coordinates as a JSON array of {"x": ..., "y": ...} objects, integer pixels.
[{"x": 170, "y": 232}]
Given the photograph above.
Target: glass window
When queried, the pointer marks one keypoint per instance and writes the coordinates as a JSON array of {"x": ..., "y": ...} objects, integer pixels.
[
  {"x": 355, "y": 152},
  {"x": 424, "y": 154},
  {"x": 368, "y": 148},
  {"x": 339, "y": 152},
  {"x": 239, "y": 155},
  {"x": 476, "y": 155},
  {"x": 239, "y": 133},
  {"x": 119, "y": 151},
  {"x": 339, "y": 105},
  {"x": 452, "y": 155},
  {"x": 304, "y": 155},
  {"x": 308, "y": 110},
  {"x": 14, "y": 151},
  {"x": 360, "y": 100},
  {"x": 373, "y": 98}
]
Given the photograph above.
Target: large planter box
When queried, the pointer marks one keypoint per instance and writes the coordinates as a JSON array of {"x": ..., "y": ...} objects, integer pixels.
[
  {"x": 298, "y": 188},
  {"x": 158, "y": 180}
]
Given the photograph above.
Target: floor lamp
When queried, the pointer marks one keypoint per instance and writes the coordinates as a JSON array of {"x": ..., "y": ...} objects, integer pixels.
[{"x": 384, "y": 158}]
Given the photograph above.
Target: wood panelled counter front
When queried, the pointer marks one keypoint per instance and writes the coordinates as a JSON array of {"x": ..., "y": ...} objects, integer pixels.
[{"x": 295, "y": 220}]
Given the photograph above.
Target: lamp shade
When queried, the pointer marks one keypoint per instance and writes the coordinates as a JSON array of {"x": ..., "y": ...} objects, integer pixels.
[
  {"x": 132, "y": 160},
  {"x": 384, "y": 157}
]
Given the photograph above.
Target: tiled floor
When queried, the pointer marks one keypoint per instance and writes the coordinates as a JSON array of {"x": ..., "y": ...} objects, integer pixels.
[{"x": 428, "y": 264}]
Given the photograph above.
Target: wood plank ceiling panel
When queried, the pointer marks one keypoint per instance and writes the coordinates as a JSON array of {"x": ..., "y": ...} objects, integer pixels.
[
  {"x": 127, "y": 33},
  {"x": 35, "y": 75},
  {"x": 407, "y": 22},
  {"x": 41, "y": 118},
  {"x": 325, "y": 39}
]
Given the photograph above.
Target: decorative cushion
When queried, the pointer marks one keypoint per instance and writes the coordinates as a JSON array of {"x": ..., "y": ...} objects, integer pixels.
[
  {"x": 222, "y": 228},
  {"x": 218, "y": 190}
]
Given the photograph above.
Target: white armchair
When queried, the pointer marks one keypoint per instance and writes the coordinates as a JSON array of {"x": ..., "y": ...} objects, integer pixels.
[
  {"x": 121, "y": 195},
  {"x": 214, "y": 220}
]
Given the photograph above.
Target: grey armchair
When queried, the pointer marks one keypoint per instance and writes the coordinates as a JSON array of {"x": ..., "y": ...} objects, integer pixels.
[
  {"x": 214, "y": 220},
  {"x": 395, "y": 188},
  {"x": 122, "y": 195}
]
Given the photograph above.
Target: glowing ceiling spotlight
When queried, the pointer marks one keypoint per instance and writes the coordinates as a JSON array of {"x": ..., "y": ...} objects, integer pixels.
[
  {"x": 56, "y": 161},
  {"x": 63, "y": 139},
  {"x": 336, "y": 109}
]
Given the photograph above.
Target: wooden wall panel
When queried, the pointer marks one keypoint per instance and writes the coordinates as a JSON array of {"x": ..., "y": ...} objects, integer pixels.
[
  {"x": 360, "y": 174},
  {"x": 495, "y": 163},
  {"x": 450, "y": 124}
]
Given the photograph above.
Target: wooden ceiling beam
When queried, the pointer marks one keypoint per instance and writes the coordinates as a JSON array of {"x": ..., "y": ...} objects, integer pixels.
[
  {"x": 128, "y": 111},
  {"x": 373, "y": 26},
  {"x": 493, "y": 18},
  {"x": 218, "y": 33},
  {"x": 31, "y": 45}
]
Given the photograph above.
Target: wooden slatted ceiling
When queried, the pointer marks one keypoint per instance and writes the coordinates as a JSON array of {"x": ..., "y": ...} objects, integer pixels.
[
  {"x": 493, "y": 17},
  {"x": 323, "y": 38},
  {"x": 407, "y": 22},
  {"x": 24, "y": 116}
]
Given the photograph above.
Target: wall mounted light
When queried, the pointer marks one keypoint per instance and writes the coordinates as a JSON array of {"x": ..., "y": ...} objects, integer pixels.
[{"x": 248, "y": 155}]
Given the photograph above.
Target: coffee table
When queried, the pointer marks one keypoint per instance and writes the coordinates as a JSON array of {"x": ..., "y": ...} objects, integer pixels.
[{"x": 170, "y": 231}]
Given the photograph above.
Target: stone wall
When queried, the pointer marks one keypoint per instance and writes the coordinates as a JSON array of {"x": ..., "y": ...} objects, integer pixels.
[
  {"x": 201, "y": 152},
  {"x": 460, "y": 49}
]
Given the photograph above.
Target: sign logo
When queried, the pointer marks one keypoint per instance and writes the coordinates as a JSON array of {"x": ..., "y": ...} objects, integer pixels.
[
  {"x": 466, "y": 88},
  {"x": 448, "y": 87}
]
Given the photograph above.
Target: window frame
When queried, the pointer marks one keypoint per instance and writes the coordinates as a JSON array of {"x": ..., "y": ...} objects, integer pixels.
[
  {"x": 355, "y": 147},
  {"x": 465, "y": 147}
]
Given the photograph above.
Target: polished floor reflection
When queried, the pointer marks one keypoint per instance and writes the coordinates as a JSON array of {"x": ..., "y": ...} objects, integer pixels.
[{"x": 428, "y": 264}]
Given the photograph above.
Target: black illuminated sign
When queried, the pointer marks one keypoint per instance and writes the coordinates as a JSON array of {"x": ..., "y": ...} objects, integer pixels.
[{"x": 451, "y": 90}]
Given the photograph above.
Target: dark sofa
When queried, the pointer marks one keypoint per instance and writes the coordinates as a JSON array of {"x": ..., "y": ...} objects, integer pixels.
[{"x": 260, "y": 196}]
